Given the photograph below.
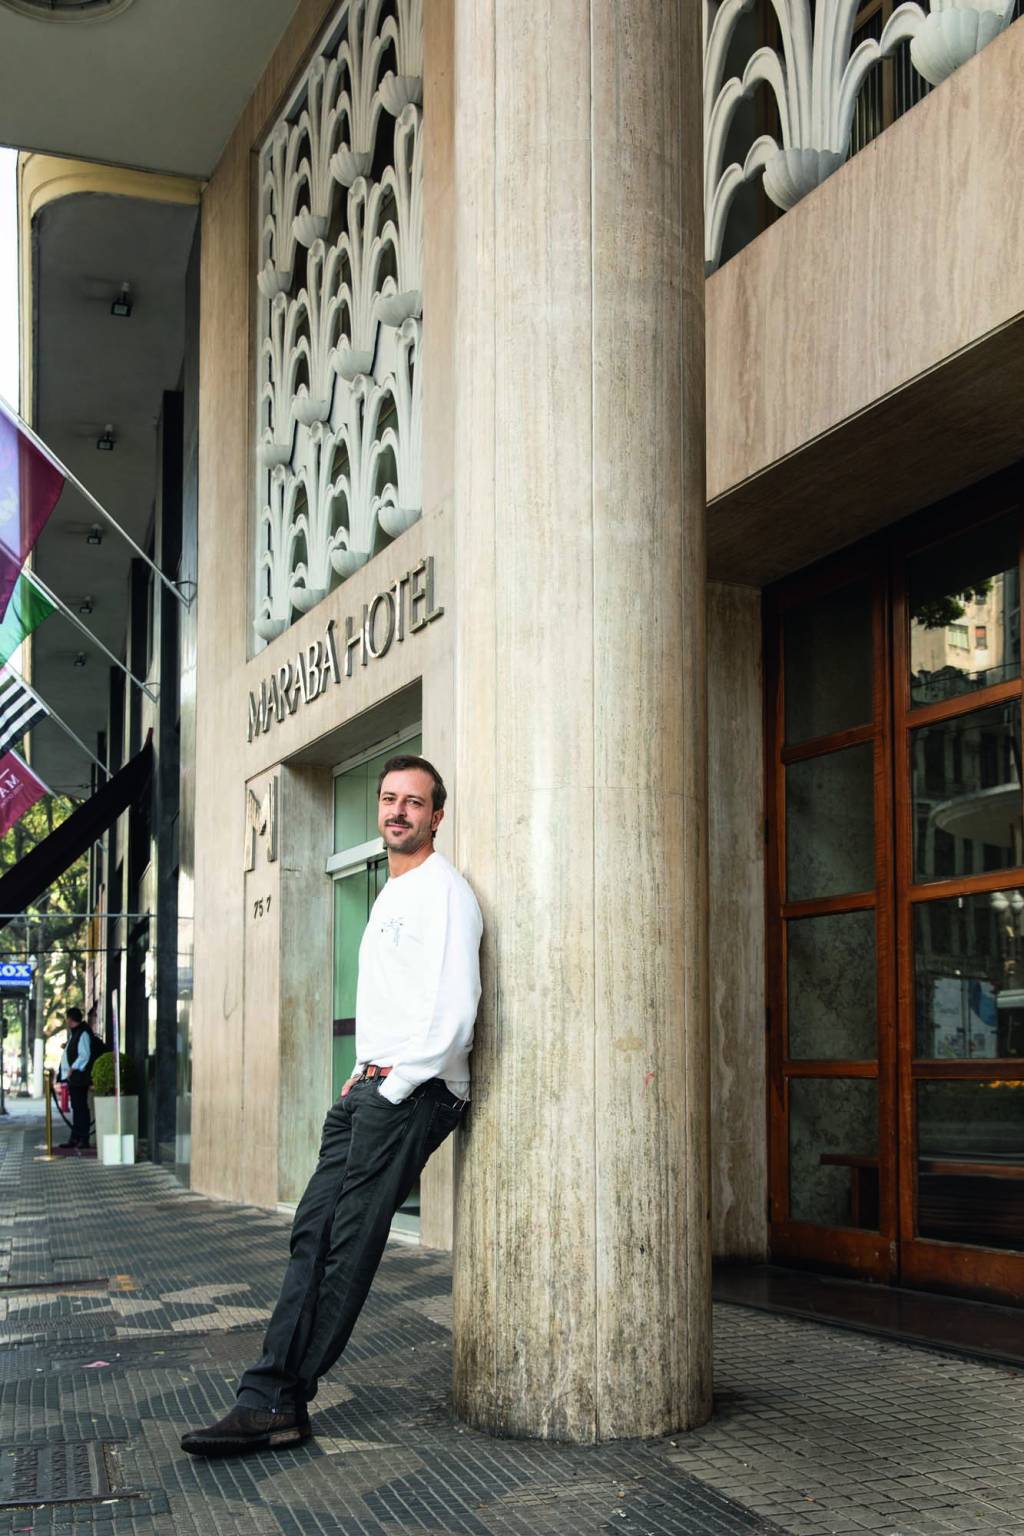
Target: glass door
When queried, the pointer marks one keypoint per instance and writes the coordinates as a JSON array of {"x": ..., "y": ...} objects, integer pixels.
[
  {"x": 354, "y": 896},
  {"x": 895, "y": 903},
  {"x": 960, "y": 835},
  {"x": 832, "y": 1193}
]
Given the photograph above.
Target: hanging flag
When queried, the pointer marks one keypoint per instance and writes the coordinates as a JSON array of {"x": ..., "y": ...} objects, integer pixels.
[
  {"x": 29, "y": 487},
  {"x": 20, "y": 710},
  {"x": 19, "y": 790},
  {"x": 26, "y": 610}
]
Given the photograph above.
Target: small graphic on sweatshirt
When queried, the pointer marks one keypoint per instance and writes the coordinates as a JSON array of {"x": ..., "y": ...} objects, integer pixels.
[{"x": 393, "y": 928}]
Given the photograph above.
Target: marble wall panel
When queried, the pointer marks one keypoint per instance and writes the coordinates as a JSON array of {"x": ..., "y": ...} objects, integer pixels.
[{"x": 737, "y": 926}]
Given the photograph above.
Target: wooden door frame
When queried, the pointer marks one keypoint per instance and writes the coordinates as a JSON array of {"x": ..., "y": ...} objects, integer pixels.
[
  {"x": 894, "y": 1252},
  {"x": 848, "y": 1250},
  {"x": 996, "y": 1273}
]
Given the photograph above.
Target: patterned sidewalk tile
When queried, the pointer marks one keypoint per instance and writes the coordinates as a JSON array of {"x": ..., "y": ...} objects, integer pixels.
[{"x": 816, "y": 1431}]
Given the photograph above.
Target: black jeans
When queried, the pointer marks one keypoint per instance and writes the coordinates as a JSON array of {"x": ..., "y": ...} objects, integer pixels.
[
  {"x": 78, "y": 1092},
  {"x": 371, "y": 1153}
]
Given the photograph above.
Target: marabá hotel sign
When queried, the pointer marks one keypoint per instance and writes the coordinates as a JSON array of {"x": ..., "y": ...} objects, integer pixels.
[{"x": 407, "y": 605}]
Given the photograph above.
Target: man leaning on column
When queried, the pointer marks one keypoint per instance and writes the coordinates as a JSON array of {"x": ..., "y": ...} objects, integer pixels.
[{"x": 416, "y": 1002}]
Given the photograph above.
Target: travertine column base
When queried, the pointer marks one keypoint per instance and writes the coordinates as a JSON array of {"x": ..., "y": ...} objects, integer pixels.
[{"x": 582, "y": 1296}]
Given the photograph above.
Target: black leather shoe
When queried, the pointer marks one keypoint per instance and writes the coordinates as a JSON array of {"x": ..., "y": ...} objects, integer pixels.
[{"x": 249, "y": 1429}]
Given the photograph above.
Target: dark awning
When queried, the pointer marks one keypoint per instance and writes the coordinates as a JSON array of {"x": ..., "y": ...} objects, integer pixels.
[{"x": 50, "y": 858}]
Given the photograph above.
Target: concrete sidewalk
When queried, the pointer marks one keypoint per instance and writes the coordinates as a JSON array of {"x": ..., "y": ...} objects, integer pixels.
[
  {"x": 23, "y": 1109},
  {"x": 127, "y": 1307}
]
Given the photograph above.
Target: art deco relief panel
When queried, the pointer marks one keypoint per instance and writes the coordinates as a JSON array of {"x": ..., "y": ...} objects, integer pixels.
[
  {"x": 813, "y": 64},
  {"x": 340, "y": 253}
]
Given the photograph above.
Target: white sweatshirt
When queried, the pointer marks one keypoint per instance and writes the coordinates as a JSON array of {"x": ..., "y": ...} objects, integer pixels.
[{"x": 419, "y": 980}]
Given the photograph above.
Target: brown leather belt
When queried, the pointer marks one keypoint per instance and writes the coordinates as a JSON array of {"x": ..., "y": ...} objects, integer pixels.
[{"x": 374, "y": 1071}]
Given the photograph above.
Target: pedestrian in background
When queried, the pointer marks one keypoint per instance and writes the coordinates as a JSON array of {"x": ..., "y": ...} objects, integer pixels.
[
  {"x": 76, "y": 1070},
  {"x": 416, "y": 1002}
]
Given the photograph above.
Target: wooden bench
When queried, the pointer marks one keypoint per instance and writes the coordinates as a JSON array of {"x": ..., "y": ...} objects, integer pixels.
[{"x": 963, "y": 1199}]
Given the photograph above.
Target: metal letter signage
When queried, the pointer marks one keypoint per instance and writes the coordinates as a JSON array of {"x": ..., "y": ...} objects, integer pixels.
[
  {"x": 407, "y": 606},
  {"x": 260, "y": 821}
]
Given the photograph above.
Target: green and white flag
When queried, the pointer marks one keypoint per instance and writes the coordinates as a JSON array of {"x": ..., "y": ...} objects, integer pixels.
[{"x": 25, "y": 612}]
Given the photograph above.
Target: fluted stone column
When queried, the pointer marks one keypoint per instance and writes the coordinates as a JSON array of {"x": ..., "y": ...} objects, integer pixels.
[{"x": 582, "y": 1306}]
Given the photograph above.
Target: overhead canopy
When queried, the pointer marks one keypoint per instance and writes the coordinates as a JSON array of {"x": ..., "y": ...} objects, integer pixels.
[
  {"x": 154, "y": 85},
  {"x": 83, "y": 246},
  {"x": 49, "y": 859}
]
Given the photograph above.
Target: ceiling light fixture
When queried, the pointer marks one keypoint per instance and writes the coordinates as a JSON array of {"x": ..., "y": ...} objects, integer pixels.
[
  {"x": 67, "y": 10},
  {"x": 121, "y": 308},
  {"x": 95, "y": 535},
  {"x": 105, "y": 442},
  {"x": 85, "y": 607},
  {"x": 80, "y": 659}
]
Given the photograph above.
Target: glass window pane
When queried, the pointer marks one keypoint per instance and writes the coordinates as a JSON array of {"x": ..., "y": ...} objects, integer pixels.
[
  {"x": 373, "y": 771},
  {"x": 351, "y": 909},
  {"x": 355, "y": 797},
  {"x": 965, "y": 785},
  {"x": 833, "y": 1151},
  {"x": 350, "y": 809},
  {"x": 830, "y": 824},
  {"x": 969, "y": 976},
  {"x": 353, "y": 897},
  {"x": 965, "y": 612},
  {"x": 831, "y": 987},
  {"x": 828, "y": 662},
  {"x": 970, "y": 1163}
]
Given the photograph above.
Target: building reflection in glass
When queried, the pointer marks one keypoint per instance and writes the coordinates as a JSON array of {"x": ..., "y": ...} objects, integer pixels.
[
  {"x": 966, "y": 794},
  {"x": 969, "y": 977},
  {"x": 965, "y": 612}
]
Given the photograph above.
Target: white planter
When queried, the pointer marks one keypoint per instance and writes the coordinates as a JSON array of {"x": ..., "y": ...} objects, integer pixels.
[
  {"x": 309, "y": 408},
  {"x": 271, "y": 282},
  {"x": 272, "y": 453},
  {"x": 267, "y": 628},
  {"x": 305, "y": 598},
  {"x": 395, "y": 308},
  {"x": 398, "y": 91},
  {"x": 395, "y": 519},
  {"x": 954, "y": 32},
  {"x": 105, "y": 1110},
  {"x": 792, "y": 173},
  {"x": 352, "y": 361},
  {"x": 347, "y": 561},
  {"x": 347, "y": 165},
  {"x": 308, "y": 227}
]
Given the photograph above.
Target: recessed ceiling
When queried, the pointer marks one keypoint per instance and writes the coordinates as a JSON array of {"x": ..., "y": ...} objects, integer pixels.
[
  {"x": 159, "y": 85},
  {"x": 92, "y": 368}
]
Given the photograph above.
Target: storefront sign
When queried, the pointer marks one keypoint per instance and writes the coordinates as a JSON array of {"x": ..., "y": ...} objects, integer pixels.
[
  {"x": 16, "y": 976},
  {"x": 406, "y": 605}
]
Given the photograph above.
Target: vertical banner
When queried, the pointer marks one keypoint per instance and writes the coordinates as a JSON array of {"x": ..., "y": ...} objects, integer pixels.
[
  {"x": 29, "y": 488},
  {"x": 19, "y": 790}
]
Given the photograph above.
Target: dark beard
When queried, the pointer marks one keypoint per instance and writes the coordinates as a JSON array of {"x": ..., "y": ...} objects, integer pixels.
[{"x": 407, "y": 840}]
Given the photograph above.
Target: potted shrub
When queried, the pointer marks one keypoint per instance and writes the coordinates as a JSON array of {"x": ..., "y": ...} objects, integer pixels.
[{"x": 105, "y": 1104}]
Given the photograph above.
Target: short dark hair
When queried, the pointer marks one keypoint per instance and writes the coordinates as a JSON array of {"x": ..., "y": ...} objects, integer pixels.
[
  {"x": 76, "y": 1014},
  {"x": 438, "y": 793}
]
